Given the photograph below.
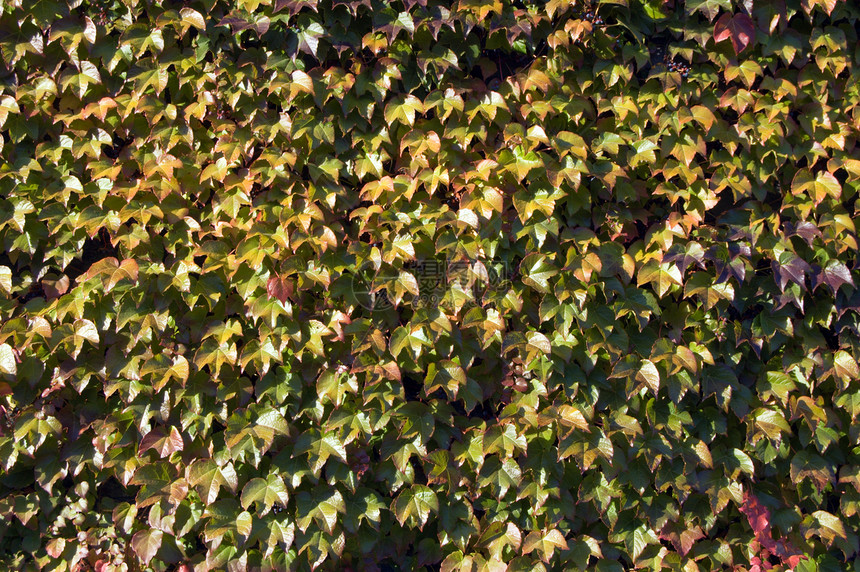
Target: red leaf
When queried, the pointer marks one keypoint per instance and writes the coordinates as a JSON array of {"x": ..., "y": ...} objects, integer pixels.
[
  {"x": 758, "y": 516},
  {"x": 280, "y": 287},
  {"x": 739, "y": 28}
]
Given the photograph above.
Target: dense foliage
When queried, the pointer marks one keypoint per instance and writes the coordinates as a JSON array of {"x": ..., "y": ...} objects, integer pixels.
[{"x": 473, "y": 285}]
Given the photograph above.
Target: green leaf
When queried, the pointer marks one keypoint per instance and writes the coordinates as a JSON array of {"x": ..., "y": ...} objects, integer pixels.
[
  {"x": 654, "y": 9},
  {"x": 415, "y": 503},
  {"x": 545, "y": 543},
  {"x": 449, "y": 375},
  {"x": 709, "y": 8},
  {"x": 266, "y": 492},
  {"x": 649, "y": 375},
  {"x": 771, "y": 423},
  {"x": 829, "y": 527},
  {"x": 261, "y": 354},
  {"x": 309, "y": 35},
  {"x": 537, "y": 271},
  {"x": 662, "y": 276},
  {"x": 322, "y": 509},
  {"x": 6, "y": 279},
  {"x": 192, "y": 17},
  {"x": 843, "y": 362},
  {"x": 320, "y": 448},
  {"x": 209, "y": 478},
  {"x": 537, "y": 343},
  {"x": 8, "y": 363}
]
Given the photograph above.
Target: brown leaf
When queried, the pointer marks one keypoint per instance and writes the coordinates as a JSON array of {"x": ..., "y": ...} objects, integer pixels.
[
  {"x": 146, "y": 544},
  {"x": 163, "y": 443},
  {"x": 390, "y": 370},
  {"x": 55, "y": 547},
  {"x": 54, "y": 288}
]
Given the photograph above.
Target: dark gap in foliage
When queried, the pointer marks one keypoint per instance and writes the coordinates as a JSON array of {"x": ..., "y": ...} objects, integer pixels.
[
  {"x": 831, "y": 336},
  {"x": 725, "y": 204},
  {"x": 94, "y": 249},
  {"x": 412, "y": 388},
  {"x": 713, "y": 145},
  {"x": 113, "y": 489},
  {"x": 116, "y": 147},
  {"x": 418, "y": 467},
  {"x": 842, "y": 176}
]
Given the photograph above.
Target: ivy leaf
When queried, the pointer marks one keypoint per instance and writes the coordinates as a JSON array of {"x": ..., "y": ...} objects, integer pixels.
[
  {"x": 155, "y": 77},
  {"x": 791, "y": 267},
  {"x": 6, "y": 279},
  {"x": 323, "y": 509},
  {"x": 413, "y": 337},
  {"x": 8, "y": 363},
  {"x": 834, "y": 275},
  {"x": 309, "y": 34},
  {"x": 55, "y": 287},
  {"x": 850, "y": 474},
  {"x": 808, "y": 231},
  {"x": 537, "y": 271},
  {"x": 709, "y": 8},
  {"x": 845, "y": 365},
  {"x": 739, "y": 28},
  {"x": 771, "y": 423},
  {"x": 261, "y": 354},
  {"x": 649, "y": 375},
  {"x": 537, "y": 343},
  {"x": 280, "y": 288},
  {"x": 499, "y": 535},
  {"x": 192, "y": 17},
  {"x": 806, "y": 465},
  {"x": 654, "y": 9},
  {"x": 415, "y": 502},
  {"x": 545, "y": 543},
  {"x": 449, "y": 375},
  {"x": 208, "y": 477},
  {"x": 320, "y": 447},
  {"x": 818, "y": 186},
  {"x": 146, "y": 543},
  {"x": 266, "y": 492},
  {"x": 830, "y": 526},
  {"x": 164, "y": 443},
  {"x": 662, "y": 275}
]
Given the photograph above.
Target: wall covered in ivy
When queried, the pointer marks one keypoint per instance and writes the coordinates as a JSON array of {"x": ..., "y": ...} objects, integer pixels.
[{"x": 474, "y": 285}]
